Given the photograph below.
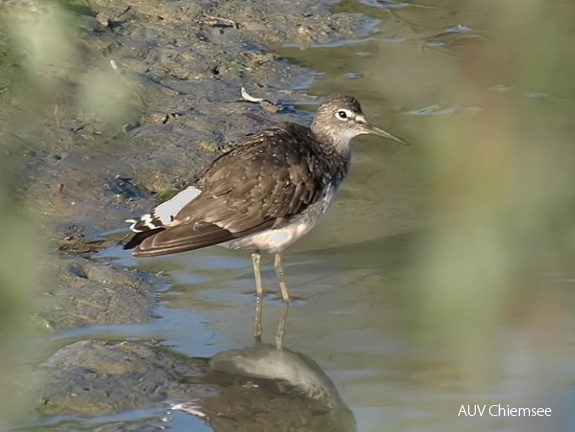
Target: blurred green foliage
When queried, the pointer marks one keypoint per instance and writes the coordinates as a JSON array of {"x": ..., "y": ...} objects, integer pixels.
[
  {"x": 21, "y": 249},
  {"x": 502, "y": 200}
]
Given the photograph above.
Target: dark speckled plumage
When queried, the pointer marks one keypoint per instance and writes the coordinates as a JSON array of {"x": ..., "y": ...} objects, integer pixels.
[
  {"x": 265, "y": 193},
  {"x": 260, "y": 184}
]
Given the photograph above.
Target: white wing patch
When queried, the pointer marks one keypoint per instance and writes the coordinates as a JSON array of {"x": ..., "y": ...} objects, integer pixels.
[
  {"x": 164, "y": 214},
  {"x": 166, "y": 211}
]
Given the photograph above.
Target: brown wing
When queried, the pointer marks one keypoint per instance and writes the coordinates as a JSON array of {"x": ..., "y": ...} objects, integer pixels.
[{"x": 266, "y": 179}]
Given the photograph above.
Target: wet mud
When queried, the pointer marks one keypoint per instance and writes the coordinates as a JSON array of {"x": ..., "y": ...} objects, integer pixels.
[{"x": 181, "y": 66}]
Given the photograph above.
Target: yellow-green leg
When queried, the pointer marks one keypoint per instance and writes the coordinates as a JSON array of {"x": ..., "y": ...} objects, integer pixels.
[
  {"x": 258, "y": 329},
  {"x": 281, "y": 331},
  {"x": 281, "y": 277}
]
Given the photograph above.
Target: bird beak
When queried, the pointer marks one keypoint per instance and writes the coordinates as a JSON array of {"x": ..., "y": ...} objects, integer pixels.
[{"x": 370, "y": 129}]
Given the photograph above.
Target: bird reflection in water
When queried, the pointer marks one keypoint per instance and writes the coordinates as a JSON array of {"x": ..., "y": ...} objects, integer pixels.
[{"x": 270, "y": 388}]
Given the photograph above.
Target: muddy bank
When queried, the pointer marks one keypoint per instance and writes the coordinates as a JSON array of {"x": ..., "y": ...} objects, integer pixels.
[
  {"x": 91, "y": 293},
  {"x": 144, "y": 96}
]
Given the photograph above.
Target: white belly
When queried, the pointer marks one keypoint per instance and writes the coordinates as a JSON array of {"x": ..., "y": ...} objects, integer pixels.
[{"x": 278, "y": 239}]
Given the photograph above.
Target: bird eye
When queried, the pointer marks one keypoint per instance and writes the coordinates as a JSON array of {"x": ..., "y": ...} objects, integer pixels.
[{"x": 341, "y": 114}]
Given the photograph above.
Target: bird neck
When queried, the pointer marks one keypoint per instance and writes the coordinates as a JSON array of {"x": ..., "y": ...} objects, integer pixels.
[{"x": 332, "y": 143}]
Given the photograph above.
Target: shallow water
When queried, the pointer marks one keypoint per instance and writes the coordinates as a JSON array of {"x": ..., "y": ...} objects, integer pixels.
[{"x": 349, "y": 278}]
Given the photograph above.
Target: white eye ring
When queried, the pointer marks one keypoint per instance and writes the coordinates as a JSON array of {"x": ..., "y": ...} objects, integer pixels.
[{"x": 343, "y": 114}]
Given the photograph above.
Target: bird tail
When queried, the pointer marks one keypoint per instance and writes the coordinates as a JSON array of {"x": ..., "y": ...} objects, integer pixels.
[
  {"x": 144, "y": 227},
  {"x": 139, "y": 237},
  {"x": 145, "y": 222}
]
